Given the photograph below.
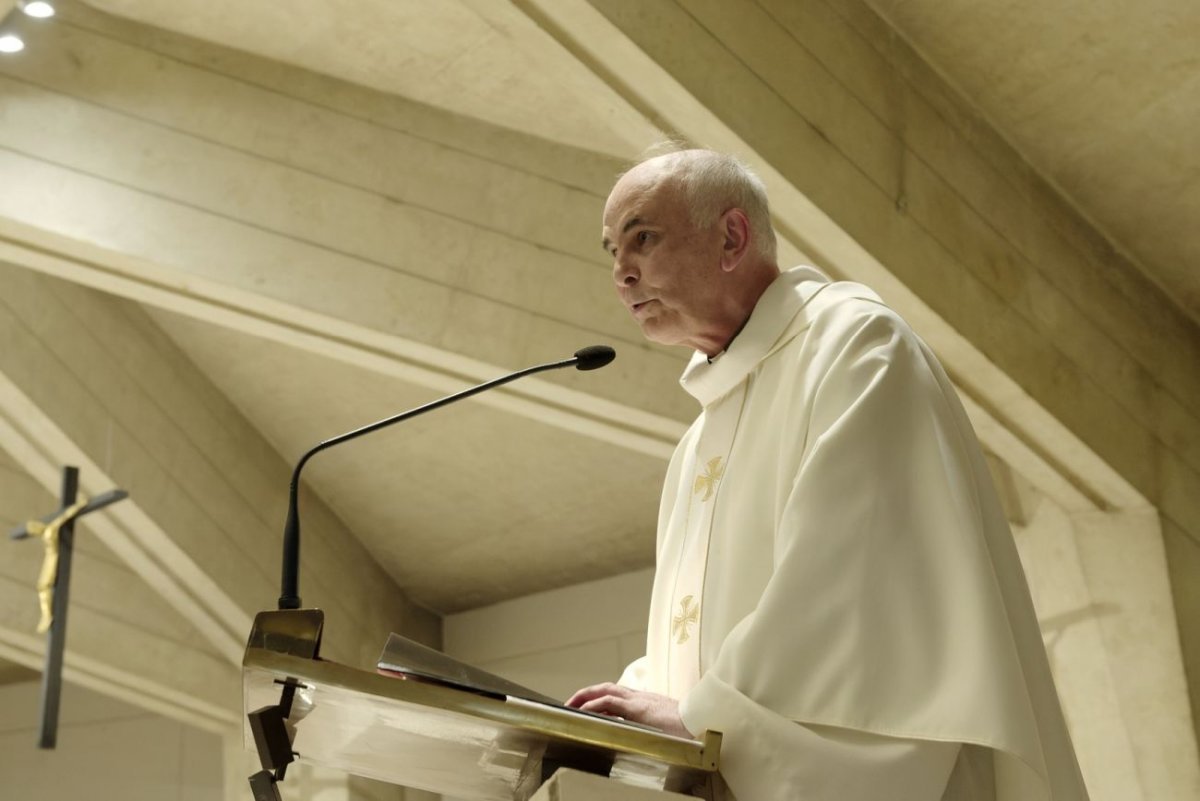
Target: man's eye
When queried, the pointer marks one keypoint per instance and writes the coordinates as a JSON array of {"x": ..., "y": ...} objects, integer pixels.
[{"x": 643, "y": 237}]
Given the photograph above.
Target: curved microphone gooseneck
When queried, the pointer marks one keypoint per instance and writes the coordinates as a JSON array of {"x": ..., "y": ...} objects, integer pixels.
[{"x": 589, "y": 358}]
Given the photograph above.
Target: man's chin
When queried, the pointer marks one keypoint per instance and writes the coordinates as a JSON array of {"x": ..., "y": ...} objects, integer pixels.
[
  {"x": 663, "y": 335},
  {"x": 652, "y": 330}
]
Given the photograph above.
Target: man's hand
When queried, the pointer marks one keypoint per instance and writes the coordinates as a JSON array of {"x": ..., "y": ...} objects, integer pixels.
[{"x": 650, "y": 709}]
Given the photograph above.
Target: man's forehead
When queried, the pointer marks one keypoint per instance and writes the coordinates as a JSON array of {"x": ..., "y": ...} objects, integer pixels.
[
  {"x": 631, "y": 188},
  {"x": 643, "y": 178},
  {"x": 637, "y": 195}
]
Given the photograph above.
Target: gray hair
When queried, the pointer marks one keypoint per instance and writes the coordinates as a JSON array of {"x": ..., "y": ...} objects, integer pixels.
[{"x": 713, "y": 183}]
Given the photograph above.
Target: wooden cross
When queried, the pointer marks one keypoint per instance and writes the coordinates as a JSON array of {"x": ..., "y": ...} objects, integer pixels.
[{"x": 57, "y": 532}]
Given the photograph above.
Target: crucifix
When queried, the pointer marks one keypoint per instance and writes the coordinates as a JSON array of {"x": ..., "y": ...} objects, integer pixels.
[{"x": 57, "y": 532}]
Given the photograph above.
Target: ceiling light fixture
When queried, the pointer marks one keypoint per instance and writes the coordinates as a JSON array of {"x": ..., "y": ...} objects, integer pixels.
[
  {"x": 37, "y": 8},
  {"x": 10, "y": 38}
]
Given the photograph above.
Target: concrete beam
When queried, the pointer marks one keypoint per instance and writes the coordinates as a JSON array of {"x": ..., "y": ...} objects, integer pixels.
[{"x": 262, "y": 316}]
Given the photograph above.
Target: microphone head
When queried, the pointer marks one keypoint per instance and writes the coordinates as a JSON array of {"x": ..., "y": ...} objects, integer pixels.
[{"x": 594, "y": 356}]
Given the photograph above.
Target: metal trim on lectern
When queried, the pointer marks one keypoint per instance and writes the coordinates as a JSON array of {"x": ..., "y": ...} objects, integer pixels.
[{"x": 446, "y": 739}]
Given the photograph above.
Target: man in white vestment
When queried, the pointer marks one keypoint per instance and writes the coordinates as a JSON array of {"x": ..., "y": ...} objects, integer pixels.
[{"x": 836, "y": 590}]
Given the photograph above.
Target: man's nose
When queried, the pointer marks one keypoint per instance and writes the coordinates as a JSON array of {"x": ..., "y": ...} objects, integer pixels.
[{"x": 625, "y": 273}]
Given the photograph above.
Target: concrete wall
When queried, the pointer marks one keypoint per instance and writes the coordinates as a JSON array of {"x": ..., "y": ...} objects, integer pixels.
[
  {"x": 107, "y": 749},
  {"x": 559, "y": 641},
  {"x": 1111, "y": 636},
  {"x": 110, "y": 750}
]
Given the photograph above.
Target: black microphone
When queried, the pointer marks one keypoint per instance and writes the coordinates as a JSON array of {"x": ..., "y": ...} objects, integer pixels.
[
  {"x": 593, "y": 357},
  {"x": 589, "y": 358}
]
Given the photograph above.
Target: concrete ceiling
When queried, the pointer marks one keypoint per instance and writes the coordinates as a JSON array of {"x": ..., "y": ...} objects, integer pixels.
[
  {"x": 482, "y": 59},
  {"x": 1102, "y": 98}
]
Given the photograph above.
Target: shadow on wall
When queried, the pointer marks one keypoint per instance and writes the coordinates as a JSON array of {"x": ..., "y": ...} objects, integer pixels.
[{"x": 1055, "y": 626}]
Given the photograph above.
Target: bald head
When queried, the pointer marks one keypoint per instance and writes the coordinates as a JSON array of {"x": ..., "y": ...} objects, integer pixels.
[
  {"x": 711, "y": 183},
  {"x": 692, "y": 247}
]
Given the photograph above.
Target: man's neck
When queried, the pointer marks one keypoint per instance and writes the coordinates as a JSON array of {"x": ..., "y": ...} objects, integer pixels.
[
  {"x": 753, "y": 296},
  {"x": 712, "y": 356}
]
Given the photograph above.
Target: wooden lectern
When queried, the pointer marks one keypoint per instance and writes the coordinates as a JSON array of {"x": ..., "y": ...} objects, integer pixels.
[{"x": 465, "y": 742}]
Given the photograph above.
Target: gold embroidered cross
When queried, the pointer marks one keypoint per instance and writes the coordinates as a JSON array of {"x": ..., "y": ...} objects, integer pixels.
[
  {"x": 689, "y": 613},
  {"x": 708, "y": 480}
]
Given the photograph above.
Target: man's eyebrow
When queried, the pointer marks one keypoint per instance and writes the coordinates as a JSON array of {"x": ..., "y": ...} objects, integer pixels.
[{"x": 630, "y": 223}]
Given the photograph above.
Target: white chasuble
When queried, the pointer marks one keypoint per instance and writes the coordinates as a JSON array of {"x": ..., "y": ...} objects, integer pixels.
[
  {"x": 705, "y": 463},
  {"x": 836, "y": 588}
]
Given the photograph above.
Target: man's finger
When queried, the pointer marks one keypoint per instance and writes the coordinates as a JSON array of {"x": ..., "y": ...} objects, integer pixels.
[
  {"x": 609, "y": 705},
  {"x": 596, "y": 691}
]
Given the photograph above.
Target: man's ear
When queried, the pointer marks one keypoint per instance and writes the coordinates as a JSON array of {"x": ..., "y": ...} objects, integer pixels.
[{"x": 735, "y": 230}]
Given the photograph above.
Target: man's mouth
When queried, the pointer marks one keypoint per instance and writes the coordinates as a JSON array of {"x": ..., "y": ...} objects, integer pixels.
[{"x": 634, "y": 307}]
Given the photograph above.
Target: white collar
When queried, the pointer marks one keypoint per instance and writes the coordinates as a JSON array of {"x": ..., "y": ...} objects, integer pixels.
[{"x": 707, "y": 379}]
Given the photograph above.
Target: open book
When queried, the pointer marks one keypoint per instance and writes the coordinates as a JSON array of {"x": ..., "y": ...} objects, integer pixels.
[
  {"x": 407, "y": 658},
  {"x": 403, "y": 657}
]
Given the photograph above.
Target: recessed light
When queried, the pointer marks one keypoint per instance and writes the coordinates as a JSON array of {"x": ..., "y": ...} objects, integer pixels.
[
  {"x": 11, "y": 44},
  {"x": 38, "y": 8}
]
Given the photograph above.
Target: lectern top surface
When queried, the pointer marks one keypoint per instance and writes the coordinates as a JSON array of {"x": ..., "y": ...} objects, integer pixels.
[{"x": 456, "y": 742}]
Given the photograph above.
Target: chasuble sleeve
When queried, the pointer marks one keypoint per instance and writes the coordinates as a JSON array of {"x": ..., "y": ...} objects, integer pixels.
[
  {"x": 771, "y": 758},
  {"x": 877, "y": 646}
]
